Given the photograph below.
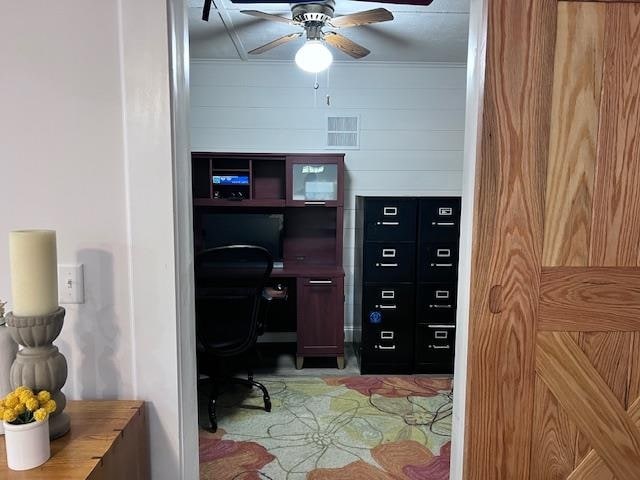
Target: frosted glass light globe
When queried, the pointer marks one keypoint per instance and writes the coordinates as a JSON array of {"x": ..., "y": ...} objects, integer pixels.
[{"x": 314, "y": 56}]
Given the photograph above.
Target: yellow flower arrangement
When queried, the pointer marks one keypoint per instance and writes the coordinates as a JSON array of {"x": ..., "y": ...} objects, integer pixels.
[{"x": 24, "y": 406}]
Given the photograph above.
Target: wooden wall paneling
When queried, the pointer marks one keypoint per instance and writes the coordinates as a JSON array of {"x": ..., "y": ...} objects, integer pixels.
[
  {"x": 615, "y": 233},
  {"x": 590, "y": 299},
  {"x": 589, "y": 402},
  {"x": 574, "y": 129},
  {"x": 507, "y": 245}
]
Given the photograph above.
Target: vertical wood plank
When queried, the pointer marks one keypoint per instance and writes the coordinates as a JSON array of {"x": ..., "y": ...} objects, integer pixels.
[
  {"x": 633, "y": 384},
  {"x": 574, "y": 129},
  {"x": 615, "y": 229},
  {"x": 507, "y": 248}
]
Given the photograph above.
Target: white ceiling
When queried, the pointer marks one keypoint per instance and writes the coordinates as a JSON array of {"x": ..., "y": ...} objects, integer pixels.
[{"x": 437, "y": 33}]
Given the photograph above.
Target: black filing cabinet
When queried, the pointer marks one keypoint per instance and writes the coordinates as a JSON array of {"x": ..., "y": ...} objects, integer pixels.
[
  {"x": 405, "y": 279},
  {"x": 384, "y": 282},
  {"x": 436, "y": 279}
]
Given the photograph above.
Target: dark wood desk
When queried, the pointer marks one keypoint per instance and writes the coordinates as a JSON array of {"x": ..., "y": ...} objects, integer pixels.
[
  {"x": 108, "y": 440},
  {"x": 307, "y": 192}
]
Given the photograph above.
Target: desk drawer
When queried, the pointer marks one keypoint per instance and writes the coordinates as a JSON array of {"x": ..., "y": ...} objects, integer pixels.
[
  {"x": 438, "y": 262},
  {"x": 390, "y": 219},
  {"x": 440, "y": 219},
  {"x": 389, "y": 262},
  {"x": 436, "y": 303}
]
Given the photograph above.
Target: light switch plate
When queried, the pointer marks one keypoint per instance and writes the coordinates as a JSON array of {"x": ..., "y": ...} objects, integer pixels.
[{"x": 70, "y": 284}]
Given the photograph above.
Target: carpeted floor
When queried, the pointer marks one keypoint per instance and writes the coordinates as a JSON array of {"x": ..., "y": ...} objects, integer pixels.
[{"x": 333, "y": 428}]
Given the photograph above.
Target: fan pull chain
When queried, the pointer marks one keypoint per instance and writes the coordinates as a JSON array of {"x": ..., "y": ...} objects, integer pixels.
[
  {"x": 316, "y": 85},
  {"x": 328, "y": 98}
]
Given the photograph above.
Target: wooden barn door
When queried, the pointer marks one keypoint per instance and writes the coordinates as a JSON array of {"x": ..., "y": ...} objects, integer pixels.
[{"x": 554, "y": 347}]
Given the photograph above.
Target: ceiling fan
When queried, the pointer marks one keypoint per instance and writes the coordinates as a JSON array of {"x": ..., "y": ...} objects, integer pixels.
[{"x": 314, "y": 17}]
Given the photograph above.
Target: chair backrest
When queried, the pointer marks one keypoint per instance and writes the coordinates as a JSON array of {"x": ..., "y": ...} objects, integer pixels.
[{"x": 229, "y": 284}]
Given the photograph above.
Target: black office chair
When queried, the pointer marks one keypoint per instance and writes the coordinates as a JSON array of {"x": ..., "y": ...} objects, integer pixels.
[{"x": 229, "y": 302}]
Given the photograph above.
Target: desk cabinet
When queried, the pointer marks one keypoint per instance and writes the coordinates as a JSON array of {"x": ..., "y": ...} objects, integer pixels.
[{"x": 320, "y": 318}]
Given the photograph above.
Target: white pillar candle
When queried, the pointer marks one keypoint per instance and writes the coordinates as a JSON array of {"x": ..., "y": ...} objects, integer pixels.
[{"x": 34, "y": 275}]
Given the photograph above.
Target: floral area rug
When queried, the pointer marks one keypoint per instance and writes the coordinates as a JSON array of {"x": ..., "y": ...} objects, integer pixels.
[{"x": 333, "y": 428}]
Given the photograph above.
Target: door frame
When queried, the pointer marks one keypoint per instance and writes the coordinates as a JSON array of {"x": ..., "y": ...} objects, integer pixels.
[
  {"x": 181, "y": 217},
  {"x": 476, "y": 66}
]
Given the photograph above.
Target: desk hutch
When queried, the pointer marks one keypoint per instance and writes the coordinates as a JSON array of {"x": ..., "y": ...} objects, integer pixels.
[{"x": 307, "y": 192}]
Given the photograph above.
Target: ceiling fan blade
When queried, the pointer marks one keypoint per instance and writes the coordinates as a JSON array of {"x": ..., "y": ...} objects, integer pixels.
[
  {"x": 362, "y": 18},
  {"x": 269, "y": 16},
  {"x": 349, "y": 47},
  {"x": 205, "y": 10},
  {"x": 275, "y": 43}
]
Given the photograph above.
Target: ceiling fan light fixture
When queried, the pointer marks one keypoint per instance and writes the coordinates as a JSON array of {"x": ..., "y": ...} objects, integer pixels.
[{"x": 314, "y": 56}]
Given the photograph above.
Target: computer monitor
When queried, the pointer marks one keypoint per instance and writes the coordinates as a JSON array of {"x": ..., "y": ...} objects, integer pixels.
[{"x": 262, "y": 229}]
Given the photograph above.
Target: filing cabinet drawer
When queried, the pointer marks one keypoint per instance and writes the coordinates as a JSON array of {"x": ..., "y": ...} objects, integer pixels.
[
  {"x": 390, "y": 306},
  {"x": 438, "y": 262},
  {"x": 389, "y": 262},
  {"x": 436, "y": 303},
  {"x": 392, "y": 219},
  {"x": 385, "y": 345},
  {"x": 439, "y": 219},
  {"x": 435, "y": 343}
]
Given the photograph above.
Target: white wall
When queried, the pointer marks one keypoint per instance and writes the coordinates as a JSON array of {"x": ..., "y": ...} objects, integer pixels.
[
  {"x": 86, "y": 149},
  {"x": 61, "y": 167},
  {"x": 411, "y": 115}
]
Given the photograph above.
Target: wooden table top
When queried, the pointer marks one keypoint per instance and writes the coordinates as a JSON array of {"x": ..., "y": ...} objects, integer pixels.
[{"x": 95, "y": 427}]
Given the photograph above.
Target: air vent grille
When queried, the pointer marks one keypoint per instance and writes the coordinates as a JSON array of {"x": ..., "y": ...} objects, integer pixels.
[{"x": 343, "y": 132}]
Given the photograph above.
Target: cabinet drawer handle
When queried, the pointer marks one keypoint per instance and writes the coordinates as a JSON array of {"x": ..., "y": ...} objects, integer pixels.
[
  {"x": 443, "y": 224},
  {"x": 314, "y": 203},
  {"x": 441, "y": 326},
  {"x": 393, "y": 265},
  {"x": 390, "y": 211},
  {"x": 389, "y": 252},
  {"x": 388, "y": 224},
  {"x": 320, "y": 282},
  {"x": 382, "y": 347},
  {"x": 386, "y": 307},
  {"x": 439, "y": 306},
  {"x": 440, "y": 347},
  {"x": 442, "y": 264}
]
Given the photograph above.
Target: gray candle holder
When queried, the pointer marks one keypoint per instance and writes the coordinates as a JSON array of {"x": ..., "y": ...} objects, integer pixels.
[{"x": 40, "y": 365}]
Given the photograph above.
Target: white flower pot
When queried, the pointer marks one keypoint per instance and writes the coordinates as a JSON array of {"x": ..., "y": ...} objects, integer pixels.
[{"x": 27, "y": 445}]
